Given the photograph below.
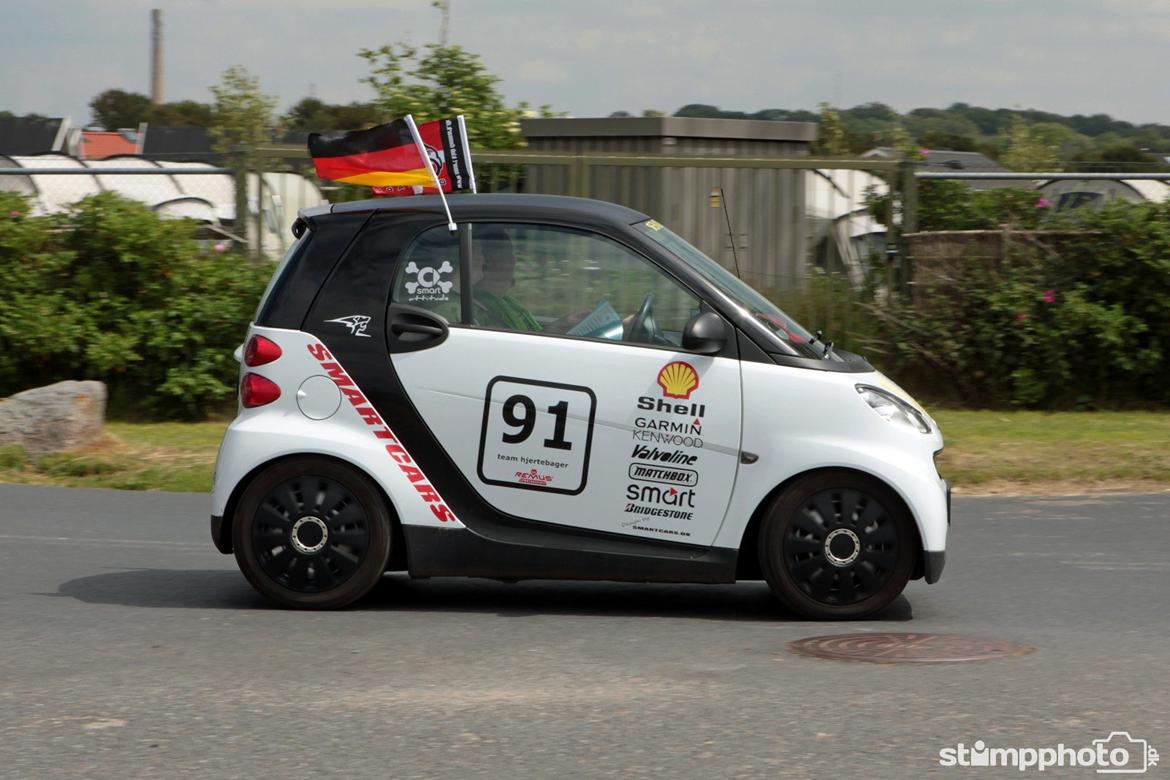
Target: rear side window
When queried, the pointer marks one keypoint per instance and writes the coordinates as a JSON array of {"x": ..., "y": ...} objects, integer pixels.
[
  {"x": 281, "y": 267},
  {"x": 427, "y": 274}
]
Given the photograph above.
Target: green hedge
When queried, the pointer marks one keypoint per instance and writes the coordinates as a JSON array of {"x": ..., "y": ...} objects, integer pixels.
[
  {"x": 110, "y": 291},
  {"x": 1082, "y": 322}
]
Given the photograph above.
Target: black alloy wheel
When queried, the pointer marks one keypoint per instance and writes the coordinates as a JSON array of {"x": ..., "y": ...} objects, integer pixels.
[
  {"x": 312, "y": 533},
  {"x": 837, "y": 545}
]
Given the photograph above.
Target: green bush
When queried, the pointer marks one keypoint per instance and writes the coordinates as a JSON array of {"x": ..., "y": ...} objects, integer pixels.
[
  {"x": 1077, "y": 323},
  {"x": 110, "y": 291}
]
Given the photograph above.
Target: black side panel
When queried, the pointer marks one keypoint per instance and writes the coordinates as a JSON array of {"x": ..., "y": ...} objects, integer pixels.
[
  {"x": 360, "y": 285},
  {"x": 438, "y": 552},
  {"x": 295, "y": 290}
]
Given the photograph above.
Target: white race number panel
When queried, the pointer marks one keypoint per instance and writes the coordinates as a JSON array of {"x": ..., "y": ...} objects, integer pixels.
[{"x": 536, "y": 435}]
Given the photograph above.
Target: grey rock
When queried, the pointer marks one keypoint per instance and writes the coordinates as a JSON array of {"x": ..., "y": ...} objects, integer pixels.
[{"x": 53, "y": 418}]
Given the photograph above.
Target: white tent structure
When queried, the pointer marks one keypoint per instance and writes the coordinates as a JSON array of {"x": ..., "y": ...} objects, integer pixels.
[
  {"x": 841, "y": 231},
  {"x": 171, "y": 189},
  {"x": 1067, "y": 194}
]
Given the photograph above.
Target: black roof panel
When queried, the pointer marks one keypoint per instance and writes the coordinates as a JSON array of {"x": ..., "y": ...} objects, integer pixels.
[{"x": 501, "y": 205}]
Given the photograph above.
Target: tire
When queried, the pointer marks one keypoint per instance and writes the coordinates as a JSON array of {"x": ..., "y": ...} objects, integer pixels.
[
  {"x": 312, "y": 533},
  {"x": 837, "y": 545}
]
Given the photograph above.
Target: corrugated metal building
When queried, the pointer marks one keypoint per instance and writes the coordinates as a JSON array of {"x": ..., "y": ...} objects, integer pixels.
[{"x": 766, "y": 205}]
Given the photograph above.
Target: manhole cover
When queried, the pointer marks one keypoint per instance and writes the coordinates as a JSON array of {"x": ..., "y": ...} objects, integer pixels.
[{"x": 896, "y": 648}]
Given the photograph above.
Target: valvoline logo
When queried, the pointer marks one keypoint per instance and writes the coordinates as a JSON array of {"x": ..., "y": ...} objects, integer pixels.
[{"x": 678, "y": 380}]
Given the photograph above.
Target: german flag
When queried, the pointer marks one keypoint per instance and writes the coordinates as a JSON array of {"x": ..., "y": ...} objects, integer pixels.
[{"x": 383, "y": 156}]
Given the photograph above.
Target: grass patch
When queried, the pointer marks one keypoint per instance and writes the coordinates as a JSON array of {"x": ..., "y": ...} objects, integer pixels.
[
  {"x": 1097, "y": 449},
  {"x": 131, "y": 456},
  {"x": 986, "y": 451}
]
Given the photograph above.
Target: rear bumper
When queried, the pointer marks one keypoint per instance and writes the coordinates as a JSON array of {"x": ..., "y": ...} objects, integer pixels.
[{"x": 221, "y": 535}]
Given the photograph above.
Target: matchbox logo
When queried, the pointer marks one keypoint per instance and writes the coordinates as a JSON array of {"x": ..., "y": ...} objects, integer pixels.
[{"x": 678, "y": 380}]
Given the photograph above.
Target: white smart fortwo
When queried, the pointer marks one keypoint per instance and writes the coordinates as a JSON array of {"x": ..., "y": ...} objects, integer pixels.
[{"x": 565, "y": 389}]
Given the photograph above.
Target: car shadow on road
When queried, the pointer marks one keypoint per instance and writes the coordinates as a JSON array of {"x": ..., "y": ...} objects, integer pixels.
[
  {"x": 227, "y": 589},
  {"x": 170, "y": 588},
  {"x": 744, "y": 601}
]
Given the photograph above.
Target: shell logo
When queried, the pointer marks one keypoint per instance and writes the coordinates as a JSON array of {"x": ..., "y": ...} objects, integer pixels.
[{"x": 678, "y": 380}]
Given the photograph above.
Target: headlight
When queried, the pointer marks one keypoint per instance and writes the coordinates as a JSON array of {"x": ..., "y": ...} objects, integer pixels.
[{"x": 892, "y": 408}]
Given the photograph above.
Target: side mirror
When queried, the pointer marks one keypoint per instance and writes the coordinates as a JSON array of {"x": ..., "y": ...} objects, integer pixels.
[{"x": 706, "y": 334}]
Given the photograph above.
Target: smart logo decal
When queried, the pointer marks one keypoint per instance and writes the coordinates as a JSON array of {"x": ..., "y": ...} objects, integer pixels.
[
  {"x": 382, "y": 432},
  {"x": 428, "y": 284},
  {"x": 678, "y": 380}
]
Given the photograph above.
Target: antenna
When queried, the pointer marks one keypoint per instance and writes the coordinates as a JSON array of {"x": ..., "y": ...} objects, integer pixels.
[
  {"x": 444, "y": 7},
  {"x": 730, "y": 235}
]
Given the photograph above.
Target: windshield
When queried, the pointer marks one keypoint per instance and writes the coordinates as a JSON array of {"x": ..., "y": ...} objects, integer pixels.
[{"x": 776, "y": 323}]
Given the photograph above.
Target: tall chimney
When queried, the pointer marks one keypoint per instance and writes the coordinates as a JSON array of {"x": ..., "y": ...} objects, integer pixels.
[{"x": 156, "y": 57}]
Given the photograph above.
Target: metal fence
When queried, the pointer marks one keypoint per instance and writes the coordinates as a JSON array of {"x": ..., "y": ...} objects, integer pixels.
[
  {"x": 245, "y": 204},
  {"x": 772, "y": 219}
]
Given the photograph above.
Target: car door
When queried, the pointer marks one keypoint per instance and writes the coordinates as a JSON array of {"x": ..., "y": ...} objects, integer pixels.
[{"x": 564, "y": 397}]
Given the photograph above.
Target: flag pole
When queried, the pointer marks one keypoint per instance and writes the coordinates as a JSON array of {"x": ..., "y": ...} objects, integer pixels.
[
  {"x": 466, "y": 152},
  {"x": 422, "y": 149}
]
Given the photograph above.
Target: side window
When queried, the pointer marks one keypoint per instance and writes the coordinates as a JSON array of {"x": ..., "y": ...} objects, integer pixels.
[
  {"x": 537, "y": 278},
  {"x": 427, "y": 274}
]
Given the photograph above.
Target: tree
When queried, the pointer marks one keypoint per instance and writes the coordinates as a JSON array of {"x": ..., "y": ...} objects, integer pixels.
[
  {"x": 116, "y": 108},
  {"x": 189, "y": 113},
  {"x": 831, "y": 136},
  {"x": 312, "y": 114},
  {"x": 1029, "y": 149},
  {"x": 440, "y": 81},
  {"x": 242, "y": 115}
]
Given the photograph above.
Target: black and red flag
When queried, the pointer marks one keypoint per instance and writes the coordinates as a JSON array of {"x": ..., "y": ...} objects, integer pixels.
[
  {"x": 447, "y": 150},
  {"x": 389, "y": 155}
]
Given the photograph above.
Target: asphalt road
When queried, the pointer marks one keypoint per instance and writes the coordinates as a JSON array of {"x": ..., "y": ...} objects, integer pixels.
[{"x": 130, "y": 648}]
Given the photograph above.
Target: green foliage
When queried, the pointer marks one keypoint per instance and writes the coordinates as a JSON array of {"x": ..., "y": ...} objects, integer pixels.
[
  {"x": 110, "y": 291},
  {"x": 1029, "y": 148},
  {"x": 313, "y": 114},
  {"x": 115, "y": 109},
  {"x": 440, "y": 81},
  {"x": 1078, "y": 322},
  {"x": 831, "y": 136},
  {"x": 242, "y": 115},
  {"x": 952, "y": 205}
]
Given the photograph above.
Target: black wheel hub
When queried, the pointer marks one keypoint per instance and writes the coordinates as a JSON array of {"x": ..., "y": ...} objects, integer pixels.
[
  {"x": 841, "y": 547},
  {"x": 310, "y": 534}
]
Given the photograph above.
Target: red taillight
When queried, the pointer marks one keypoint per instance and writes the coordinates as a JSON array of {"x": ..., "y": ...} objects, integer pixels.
[
  {"x": 255, "y": 390},
  {"x": 260, "y": 351}
]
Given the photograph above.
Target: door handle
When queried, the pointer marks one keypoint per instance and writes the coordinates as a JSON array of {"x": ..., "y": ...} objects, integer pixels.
[
  {"x": 400, "y": 327},
  {"x": 411, "y": 328}
]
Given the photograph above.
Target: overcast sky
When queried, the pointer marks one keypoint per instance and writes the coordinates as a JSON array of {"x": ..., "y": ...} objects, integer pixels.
[{"x": 593, "y": 58}]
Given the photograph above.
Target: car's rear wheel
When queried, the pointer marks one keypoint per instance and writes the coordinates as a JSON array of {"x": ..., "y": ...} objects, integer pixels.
[
  {"x": 312, "y": 533},
  {"x": 837, "y": 545}
]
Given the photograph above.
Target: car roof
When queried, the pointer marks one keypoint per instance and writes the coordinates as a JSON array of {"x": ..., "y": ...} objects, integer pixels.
[{"x": 496, "y": 205}]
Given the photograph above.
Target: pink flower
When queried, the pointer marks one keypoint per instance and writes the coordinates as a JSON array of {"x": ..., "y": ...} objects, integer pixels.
[
  {"x": 1043, "y": 203},
  {"x": 1050, "y": 296},
  {"x": 1021, "y": 317},
  {"x": 220, "y": 248},
  {"x": 14, "y": 213},
  {"x": 924, "y": 152}
]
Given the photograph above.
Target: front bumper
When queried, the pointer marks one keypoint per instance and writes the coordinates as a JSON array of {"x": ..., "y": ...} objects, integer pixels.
[{"x": 934, "y": 560}]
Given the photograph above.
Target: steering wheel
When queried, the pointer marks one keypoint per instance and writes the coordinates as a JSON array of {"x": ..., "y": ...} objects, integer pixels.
[{"x": 643, "y": 329}]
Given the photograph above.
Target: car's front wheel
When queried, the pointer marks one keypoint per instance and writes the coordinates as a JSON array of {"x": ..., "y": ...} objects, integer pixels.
[
  {"x": 837, "y": 545},
  {"x": 311, "y": 533}
]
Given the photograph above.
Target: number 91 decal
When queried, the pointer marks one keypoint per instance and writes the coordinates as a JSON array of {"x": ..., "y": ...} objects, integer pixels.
[{"x": 536, "y": 435}]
